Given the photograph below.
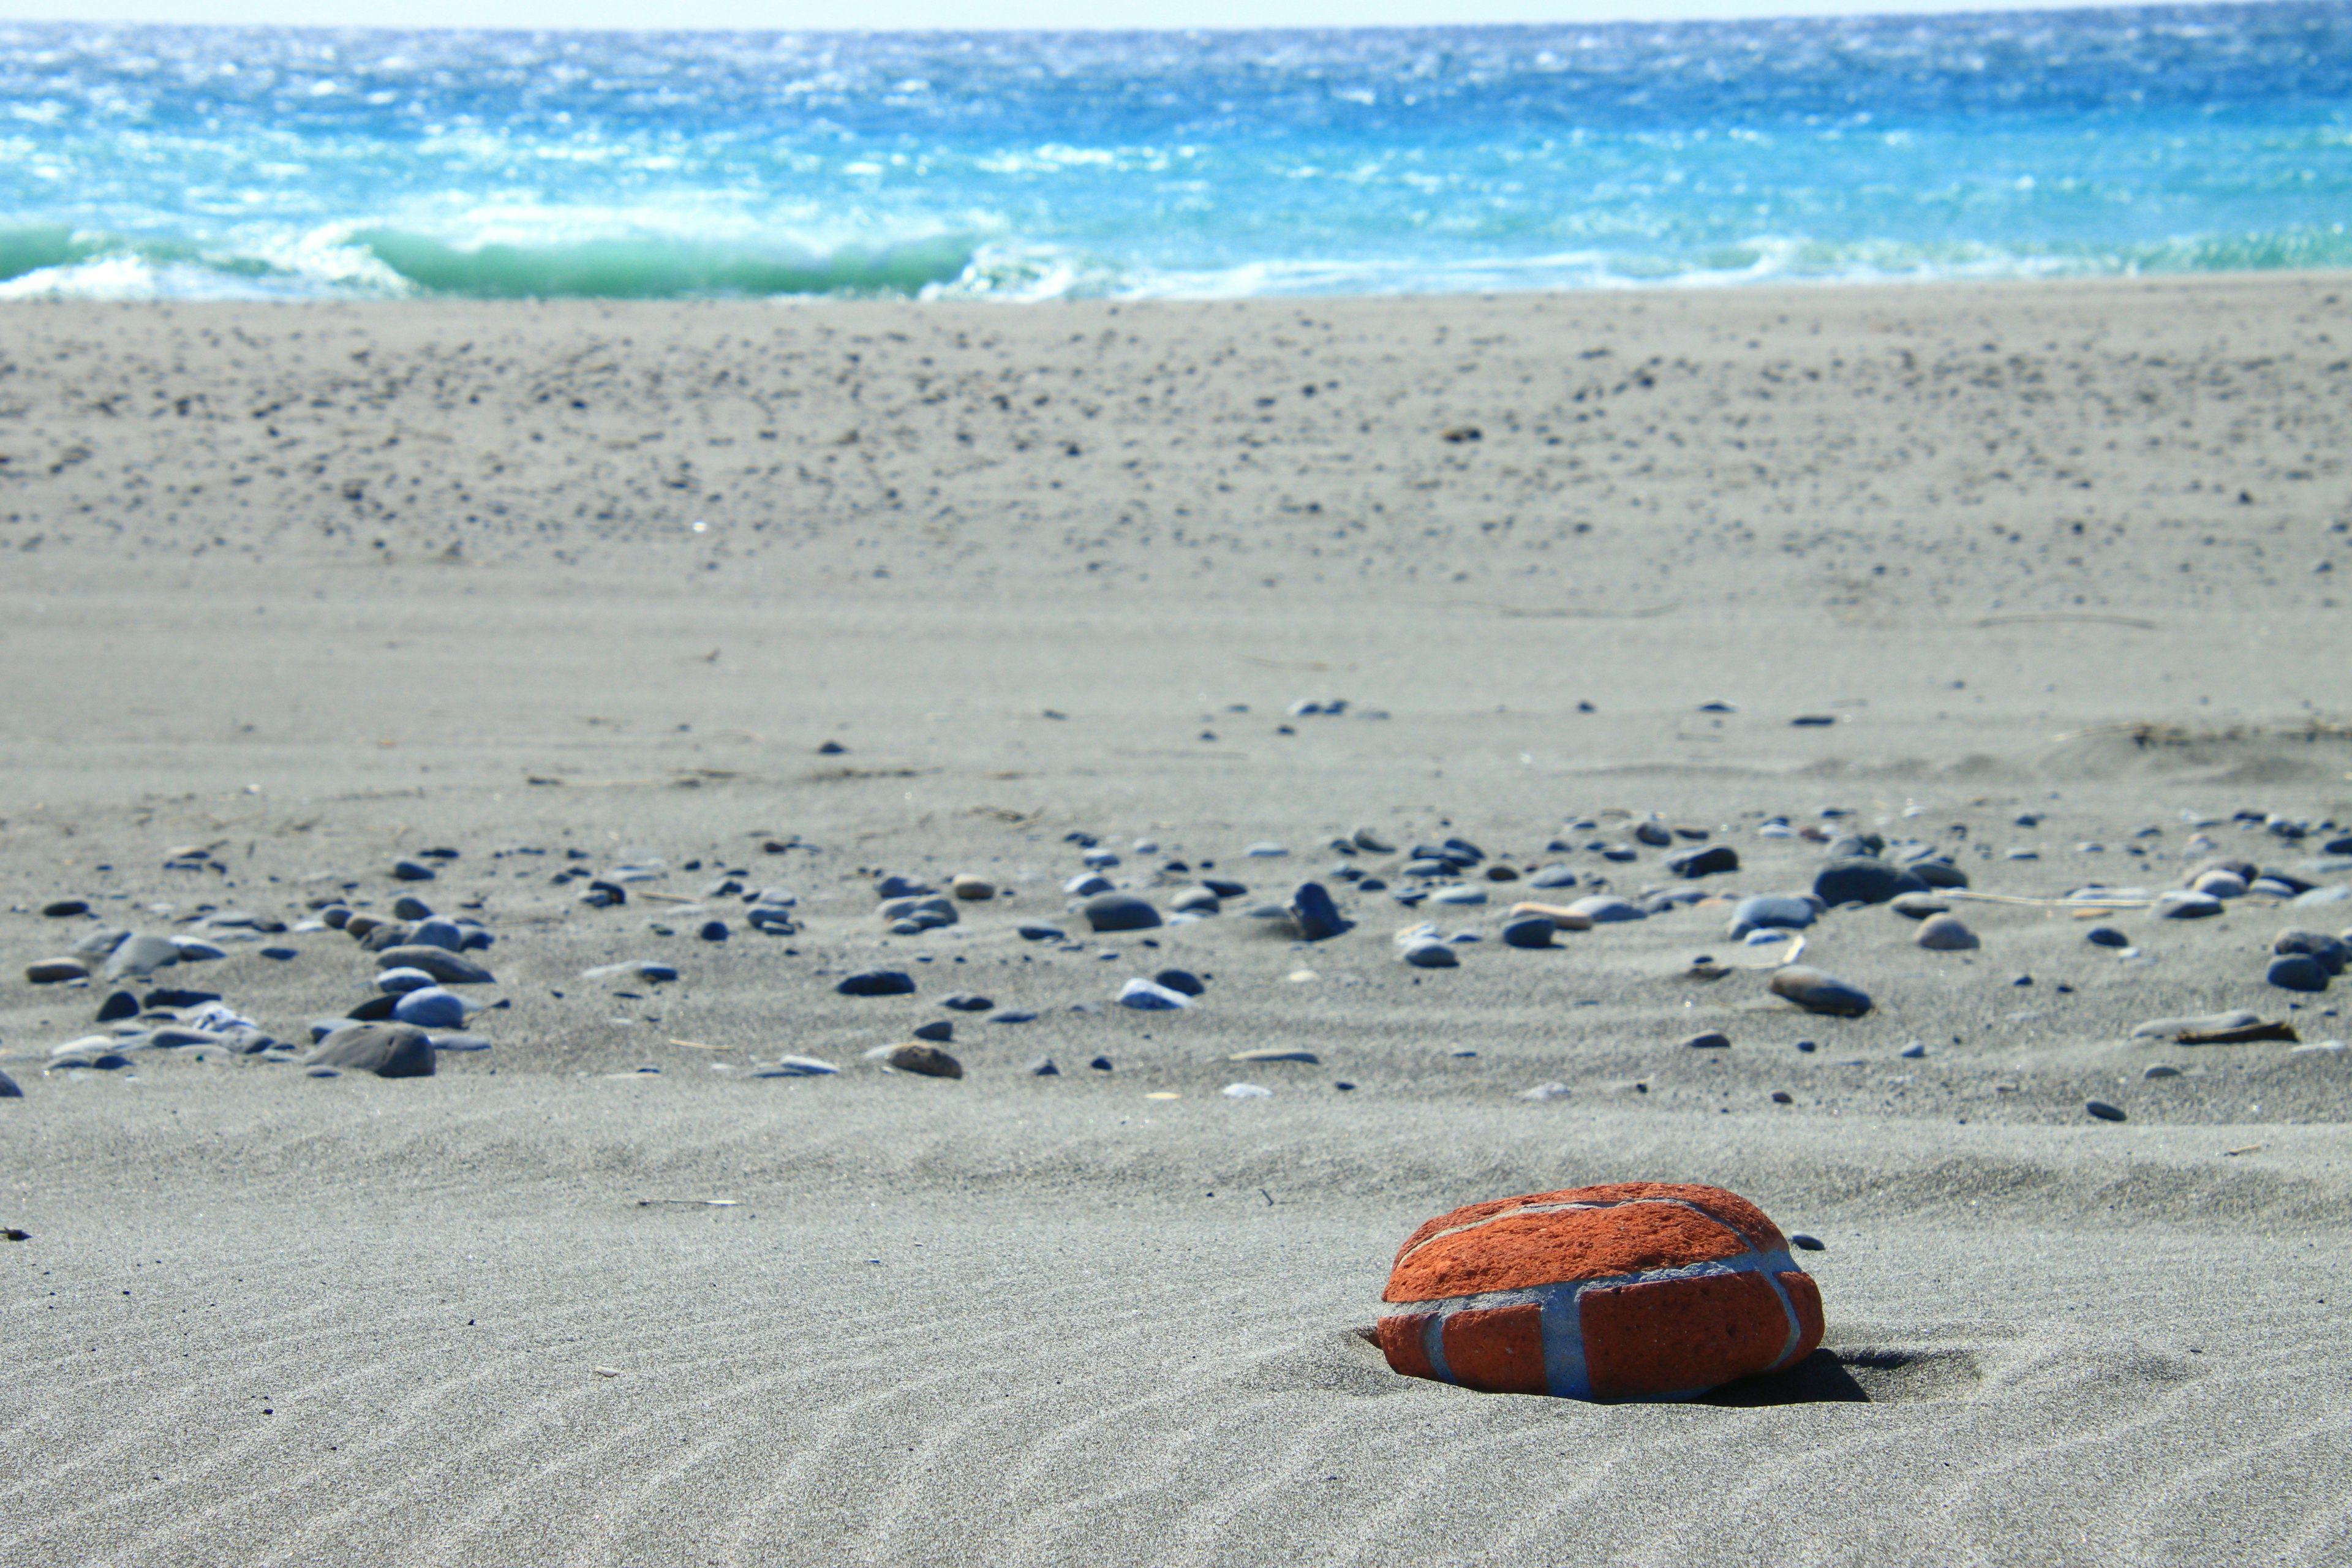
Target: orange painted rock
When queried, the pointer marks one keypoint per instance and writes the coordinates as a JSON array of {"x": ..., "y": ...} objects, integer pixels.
[{"x": 1634, "y": 1290}]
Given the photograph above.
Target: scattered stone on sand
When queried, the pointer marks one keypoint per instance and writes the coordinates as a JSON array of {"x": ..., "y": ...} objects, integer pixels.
[
  {"x": 877, "y": 983},
  {"x": 1555, "y": 1090},
  {"x": 2105, "y": 936},
  {"x": 140, "y": 955},
  {"x": 412, "y": 871},
  {"x": 1769, "y": 911},
  {"x": 1549, "y": 877},
  {"x": 966, "y": 1002},
  {"x": 1579, "y": 1333},
  {"x": 2103, "y": 1110},
  {"x": 937, "y": 1032},
  {"x": 1561, "y": 916},
  {"x": 99, "y": 942},
  {"x": 928, "y": 1060},
  {"x": 56, "y": 970},
  {"x": 1708, "y": 1041},
  {"x": 2329, "y": 952},
  {"x": 798, "y": 1067},
  {"x": 1014, "y": 1015},
  {"x": 1182, "y": 979},
  {"x": 1605, "y": 909},
  {"x": 1196, "y": 902},
  {"x": 1530, "y": 930},
  {"x": 118, "y": 1005},
  {"x": 1818, "y": 992},
  {"x": 65, "y": 908},
  {"x": 1429, "y": 954},
  {"x": 1918, "y": 906},
  {"x": 1264, "y": 849},
  {"x": 447, "y": 968},
  {"x": 1315, "y": 915},
  {"x": 1246, "y": 1091},
  {"x": 430, "y": 1007},
  {"x": 1458, "y": 895},
  {"x": 2213, "y": 1028},
  {"x": 1706, "y": 861},
  {"x": 971, "y": 890},
  {"x": 1039, "y": 930},
  {"x": 1945, "y": 934},
  {"x": 387, "y": 1051},
  {"x": 1119, "y": 911},
  {"x": 1148, "y": 996},
  {"x": 2221, "y": 885},
  {"x": 1044, "y": 1067},
  {"x": 8, "y": 1088},
  {"x": 1863, "y": 879},
  {"x": 1100, "y": 1064},
  {"x": 1654, "y": 833},
  {"x": 2296, "y": 972},
  {"x": 1276, "y": 1054},
  {"x": 1372, "y": 841},
  {"x": 2158, "y": 1070},
  {"x": 2188, "y": 906}
]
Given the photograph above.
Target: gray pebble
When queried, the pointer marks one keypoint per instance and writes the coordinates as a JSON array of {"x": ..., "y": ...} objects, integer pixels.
[
  {"x": 1771, "y": 912},
  {"x": 927, "y": 1060},
  {"x": 1554, "y": 876},
  {"x": 1863, "y": 879},
  {"x": 431, "y": 1008},
  {"x": 445, "y": 967},
  {"x": 56, "y": 971},
  {"x": 1315, "y": 914},
  {"x": 2188, "y": 906},
  {"x": 1817, "y": 992},
  {"x": 1945, "y": 934},
  {"x": 1195, "y": 902},
  {"x": 409, "y": 907},
  {"x": 2331, "y": 954},
  {"x": 1014, "y": 1015},
  {"x": 1037, "y": 931},
  {"x": 1918, "y": 906},
  {"x": 1602, "y": 908},
  {"x": 2158, "y": 1070},
  {"x": 141, "y": 955},
  {"x": 387, "y": 1051},
  {"x": 1528, "y": 930},
  {"x": 8, "y": 1089},
  {"x": 2103, "y": 1110},
  {"x": 1431, "y": 955},
  {"x": 877, "y": 983},
  {"x": 965, "y": 1002},
  {"x": 1119, "y": 911},
  {"x": 1706, "y": 861},
  {"x": 2298, "y": 972},
  {"x": 412, "y": 871}
]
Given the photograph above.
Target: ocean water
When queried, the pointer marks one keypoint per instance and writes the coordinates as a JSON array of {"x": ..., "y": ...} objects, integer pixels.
[{"x": 265, "y": 163}]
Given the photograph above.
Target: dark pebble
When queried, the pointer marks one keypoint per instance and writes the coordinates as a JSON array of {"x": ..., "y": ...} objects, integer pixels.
[
  {"x": 281, "y": 955},
  {"x": 939, "y": 1031},
  {"x": 387, "y": 1051},
  {"x": 1119, "y": 911},
  {"x": 1803, "y": 1243},
  {"x": 1312, "y": 911},
  {"x": 2331, "y": 954},
  {"x": 2105, "y": 936},
  {"x": 2103, "y": 1110},
  {"x": 1014, "y": 1015},
  {"x": 966, "y": 1002},
  {"x": 877, "y": 983},
  {"x": 1044, "y": 1067},
  {"x": 412, "y": 871},
  {"x": 1817, "y": 992},
  {"x": 1528, "y": 930},
  {"x": 56, "y": 970},
  {"x": 1782, "y": 1097},
  {"x": 927, "y": 1060},
  {"x": 1863, "y": 879},
  {"x": 1180, "y": 980},
  {"x": 409, "y": 907},
  {"x": 1036, "y": 930},
  {"x": 1704, "y": 862},
  {"x": 1710, "y": 1040},
  {"x": 1100, "y": 1064},
  {"x": 2298, "y": 972},
  {"x": 712, "y": 931},
  {"x": 659, "y": 973},
  {"x": 172, "y": 998},
  {"x": 8, "y": 1090},
  {"x": 118, "y": 1005},
  {"x": 65, "y": 908}
]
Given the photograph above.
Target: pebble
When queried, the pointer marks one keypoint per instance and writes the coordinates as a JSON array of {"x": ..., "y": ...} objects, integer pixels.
[
  {"x": 98, "y": 943},
  {"x": 1100, "y": 1064},
  {"x": 1426, "y": 955},
  {"x": 972, "y": 889},
  {"x": 2331, "y": 953},
  {"x": 387, "y": 1051},
  {"x": 140, "y": 955},
  {"x": 1037, "y": 931},
  {"x": 280, "y": 954},
  {"x": 770, "y": 920},
  {"x": 1147, "y": 997},
  {"x": 927, "y": 1060},
  {"x": 1528, "y": 930},
  {"x": 8, "y": 1089},
  {"x": 1776, "y": 912},
  {"x": 966, "y": 1002},
  {"x": 65, "y": 908},
  {"x": 400, "y": 982},
  {"x": 1945, "y": 934},
  {"x": 447, "y": 968},
  {"x": 1707, "y": 861},
  {"x": 1913, "y": 1051},
  {"x": 1863, "y": 879},
  {"x": 1014, "y": 1015},
  {"x": 459, "y": 1041},
  {"x": 1708, "y": 1041},
  {"x": 56, "y": 971},
  {"x": 195, "y": 950},
  {"x": 2158, "y": 1070},
  {"x": 1370, "y": 842},
  {"x": 1460, "y": 894},
  {"x": 1601, "y": 908},
  {"x": 939, "y": 1031},
  {"x": 1782, "y": 1097},
  {"x": 409, "y": 907},
  {"x": 1183, "y": 980},
  {"x": 1918, "y": 906},
  {"x": 1554, "y": 876},
  {"x": 1804, "y": 1242},
  {"x": 2220, "y": 885},
  {"x": 877, "y": 983},
  {"x": 1196, "y": 902},
  {"x": 1552, "y": 1090},
  {"x": 2188, "y": 906},
  {"x": 897, "y": 886},
  {"x": 1044, "y": 1067},
  {"x": 1314, "y": 912},
  {"x": 1265, "y": 850},
  {"x": 1818, "y": 992},
  {"x": 435, "y": 931},
  {"x": 1246, "y": 1091},
  {"x": 798, "y": 1067},
  {"x": 412, "y": 871},
  {"x": 118, "y": 1005},
  {"x": 2103, "y": 1110},
  {"x": 1119, "y": 911},
  {"x": 2105, "y": 936},
  {"x": 2298, "y": 972},
  {"x": 1276, "y": 1054},
  {"x": 431, "y": 1008},
  {"x": 713, "y": 930}
]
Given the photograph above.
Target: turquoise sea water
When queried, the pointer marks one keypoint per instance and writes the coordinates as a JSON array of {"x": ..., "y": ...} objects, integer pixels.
[{"x": 141, "y": 161}]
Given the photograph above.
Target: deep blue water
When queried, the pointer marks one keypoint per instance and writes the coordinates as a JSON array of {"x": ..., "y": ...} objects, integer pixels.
[{"x": 259, "y": 162}]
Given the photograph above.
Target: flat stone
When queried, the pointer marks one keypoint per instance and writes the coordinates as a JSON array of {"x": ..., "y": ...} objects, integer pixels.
[
  {"x": 1554, "y": 876},
  {"x": 56, "y": 970},
  {"x": 118, "y": 1005},
  {"x": 457, "y": 1040},
  {"x": 2103, "y": 1110},
  {"x": 1769, "y": 911},
  {"x": 1603, "y": 909},
  {"x": 927, "y": 1060},
  {"x": 1945, "y": 934},
  {"x": 411, "y": 871},
  {"x": 1939, "y": 873},
  {"x": 798, "y": 1067},
  {"x": 195, "y": 950},
  {"x": 1014, "y": 1015},
  {"x": 966, "y": 1002},
  {"x": 409, "y": 907},
  {"x": 938, "y": 1032},
  {"x": 1530, "y": 930},
  {"x": 1314, "y": 912},
  {"x": 2105, "y": 936},
  {"x": 2158, "y": 1069},
  {"x": 2298, "y": 972},
  {"x": 1119, "y": 911},
  {"x": 431, "y": 1007},
  {"x": 447, "y": 968},
  {"x": 1863, "y": 879},
  {"x": 1196, "y": 902},
  {"x": 8, "y": 1089},
  {"x": 2220, "y": 885},
  {"x": 2332, "y": 954},
  {"x": 2197, "y": 1023},
  {"x": 972, "y": 889},
  {"x": 1708, "y": 1041},
  {"x": 1918, "y": 906},
  {"x": 1459, "y": 895},
  {"x": 2188, "y": 906},
  {"x": 1706, "y": 861},
  {"x": 1431, "y": 955},
  {"x": 1181, "y": 980},
  {"x": 1037, "y": 931},
  {"x": 1264, "y": 849},
  {"x": 1372, "y": 841},
  {"x": 1818, "y": 992},
  {"x": 877, "y": 983},
  {"x": 141, "y": 955},
  {"x": 65, "y": 908},
  {"x": 1276, "y": 1054},
  {"x": 1044, "y": 1067},
  {"x": 1147, "y": 997},
  {"x": 387, "y": 1051},
  {"x": 98, "y": 943}
]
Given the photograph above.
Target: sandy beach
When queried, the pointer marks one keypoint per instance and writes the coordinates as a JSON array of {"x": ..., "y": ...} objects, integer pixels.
[{"x": 2042, "y": 577}]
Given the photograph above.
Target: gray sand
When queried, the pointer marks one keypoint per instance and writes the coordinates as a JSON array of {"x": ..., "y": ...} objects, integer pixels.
[{"x": 1012, "y": 1319}]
